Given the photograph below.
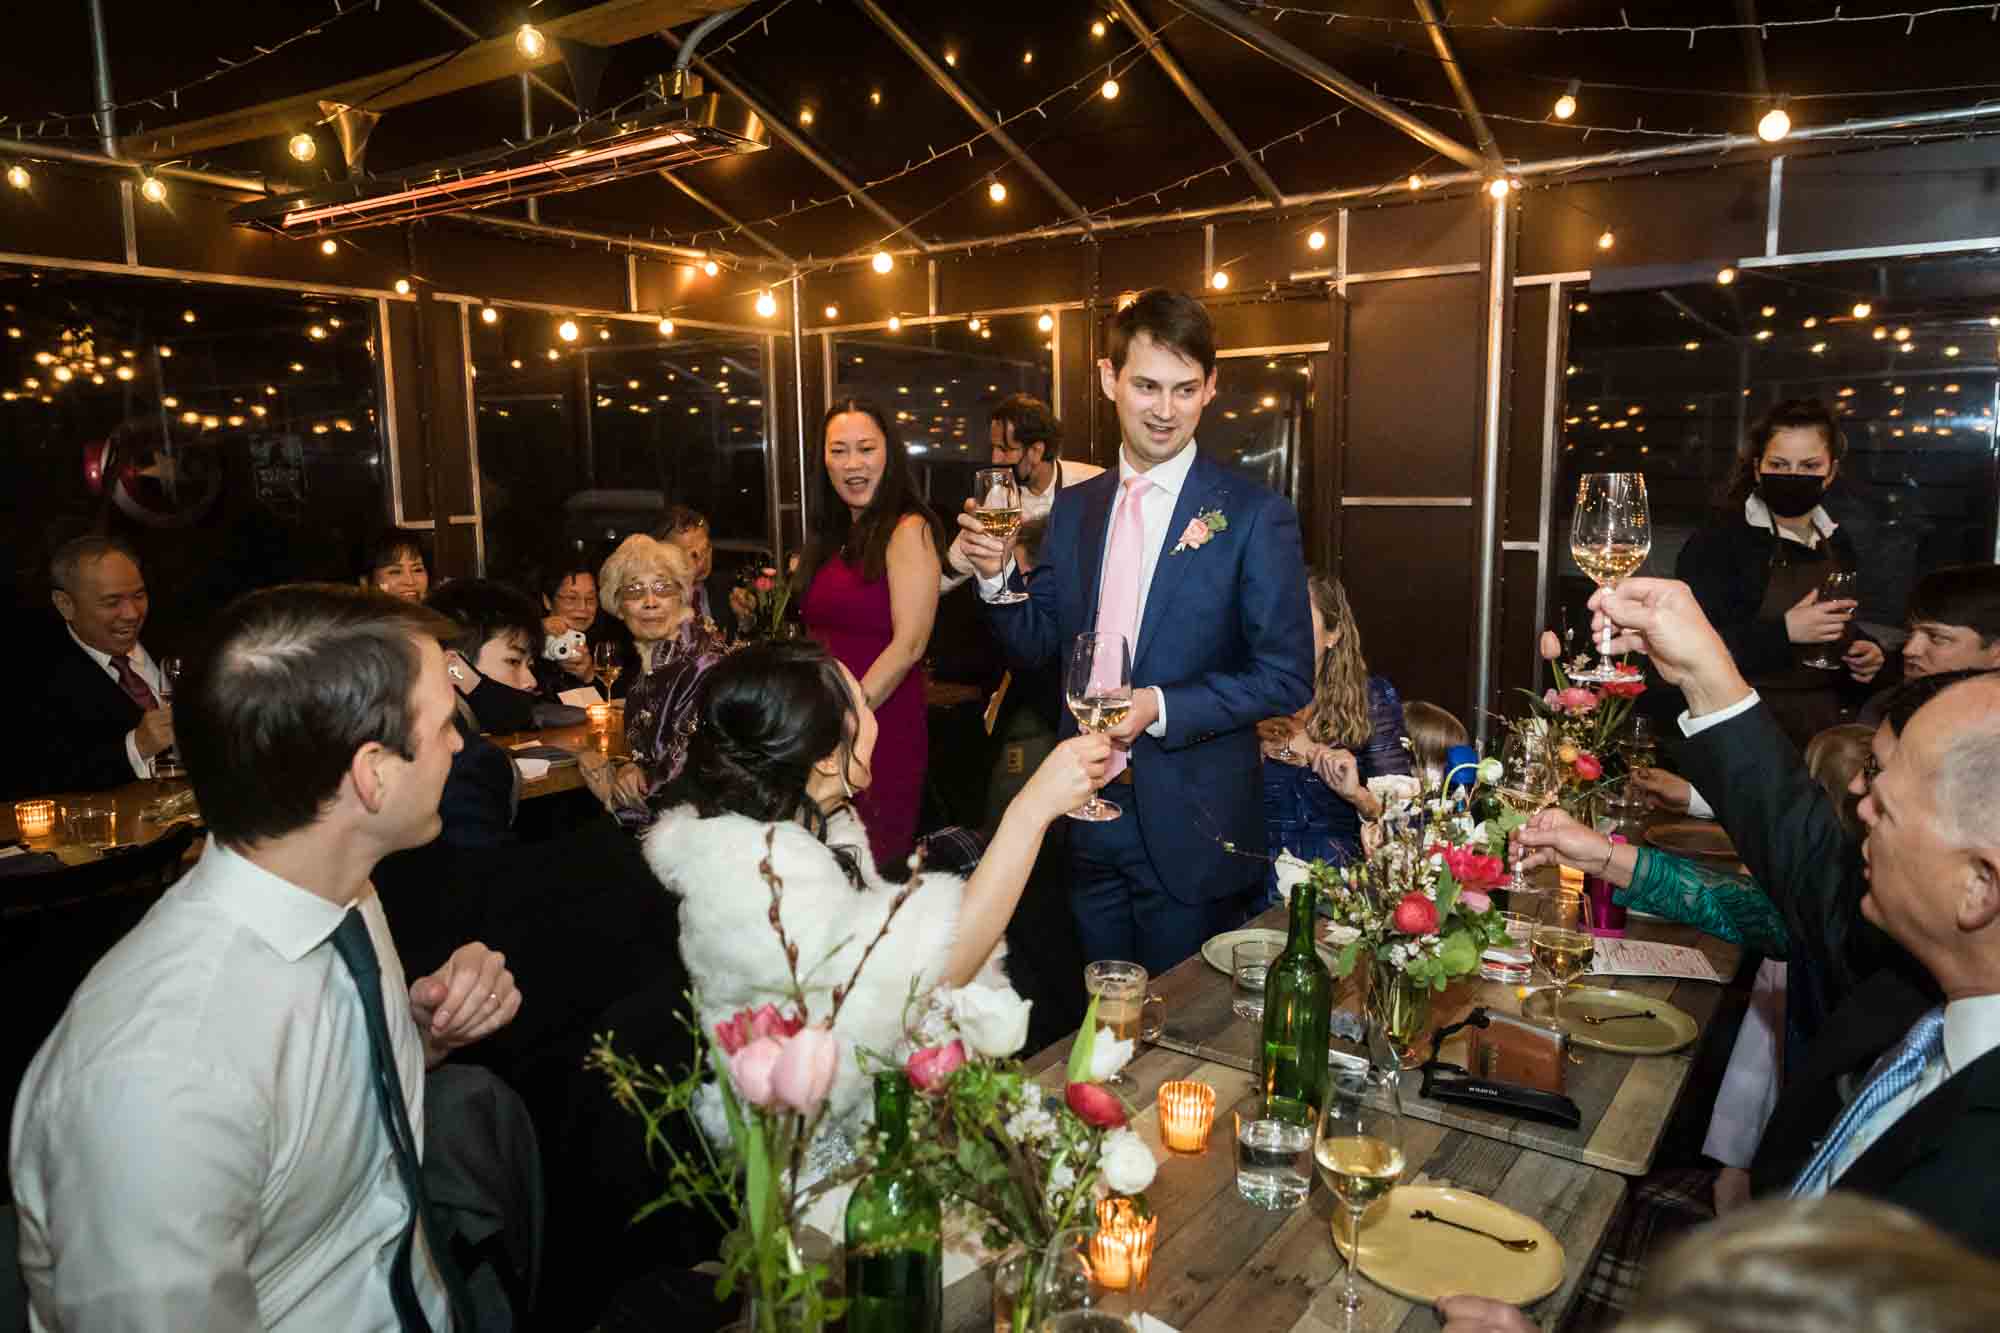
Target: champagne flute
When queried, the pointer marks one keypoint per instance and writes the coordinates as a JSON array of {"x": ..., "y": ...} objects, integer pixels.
[
  {"x": 997, "y": 492},
  {"x": 609, "y": 664},
  {"x": 1099, "y": 691},
  {"x": 1359, "y": 1151},
  {"x": 1839, "y": 585},
  {"x": 1562, "y": 943},
  {"x": 1088, "y": 1284},
  {"x": 1530, "y": 779},
  {"x": 167, "y": 763},
  {"x": 1610, "y": 535}
]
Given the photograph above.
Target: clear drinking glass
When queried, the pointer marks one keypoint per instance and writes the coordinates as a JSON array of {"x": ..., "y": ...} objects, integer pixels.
[
  {"x": 91, "y": 824},
  {"x": 1249, "y": 965},
  {"x": 1512, "y": 963},
  {"x": 1122, "y": 1002},
  {"x": 1084, "y": 1287},
  {"x": 1839, "y": 585},
  {"x": 1099, "y": 690},
  {"x": 1610, "y": 535},
  {"x": 609, "y": 665},
  {"x": 1530, "y": 779},
  {"x": 1273, "y": 1155},
  {"x": 997, "y": 493},
  {"x": 1359, "y": 1151},
  {"x": 1563, "y": 945},
  {"x": 167, "y": 763}
]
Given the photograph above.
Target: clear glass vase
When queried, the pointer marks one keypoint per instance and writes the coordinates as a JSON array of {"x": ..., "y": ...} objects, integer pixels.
[{"x": 1401, "y": 1008}]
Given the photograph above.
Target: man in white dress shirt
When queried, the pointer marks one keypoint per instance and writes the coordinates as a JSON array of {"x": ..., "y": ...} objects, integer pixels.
[
  {"x": 104, "y": 711},
  {"x": 1027, "y": 438},
  {"x": 222, "y": 1132}
]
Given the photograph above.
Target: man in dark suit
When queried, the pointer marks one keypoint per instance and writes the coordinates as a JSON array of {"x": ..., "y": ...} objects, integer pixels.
[
  {"x": 1914, "y": 1124},
  {"x": 1201, "y": 570},
  {"x": 102, "y": 712}
]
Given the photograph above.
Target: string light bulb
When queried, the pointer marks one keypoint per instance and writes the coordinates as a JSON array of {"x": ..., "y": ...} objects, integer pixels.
[
  {"x": 1027, "y": 57},
  {"x": 875, "y": 97},
  {"x": 997, "y": 192},
  {"x": 1880, "y": 333},
  {"x": 528, "y": 40},
  {"x": 1499, "y": 188},
  {"x": 402, "y": 286},
  {"x": 1566, "y": 104},
  {"x": 302, "y": 147},
  {"x": 1863, "y": 310},
  {"x": 1775, "y": 125},
  {"x": 1219, "y": 279},
  {"x": 17, "y": 176},
  {"x": 833, "y": 312},
  {"x": 153, "y": 190},
  {"x": 1605, "y": 239},
  {"x": 1110, "y": 90},
  {"x": 711, "y": 268},
  {"x": 567, "y": 331},
  {"x": 666, "y": 327},
  {"x": 805, "y": 115},
  {"x": 1902, "y": 335},
  {"x": 1725, "y": 276},
  {"x": 1097, "y": 28},
  {"x": 124, "y": 373},
  {"x": 895, "y": 323},
  {"x": 882, "y": 263},
  {"x": 488, "y": 315},
  {"x": 973, "y": 325},
  {"x": 1416, "y": 181},
  {"x": 1316, "y": 240},
  {"x": 767, "y": 305},
  {"x": 1046, "y": 323},
  {"x": 951, "y": 58},
  {"x": 329, "y": 247}
]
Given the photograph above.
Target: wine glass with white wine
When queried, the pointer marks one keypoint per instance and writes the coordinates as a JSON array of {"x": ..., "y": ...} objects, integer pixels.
[
  {"x": 610, "y": 664},
  {"x": 1610, "y": 535},
  {"x": 1563, "y": 944},
  {"x": 1530, "y": 779},
  {"x": 1359, "y": 1151},
  {"x": 1099, "y": 691},
  {"x": 997, "y": 492}
]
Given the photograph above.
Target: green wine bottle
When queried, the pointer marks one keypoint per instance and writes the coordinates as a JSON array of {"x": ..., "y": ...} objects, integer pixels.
[
  {"x": 895, "y": 1256},
  {"x": 1298, "y": 1008}
]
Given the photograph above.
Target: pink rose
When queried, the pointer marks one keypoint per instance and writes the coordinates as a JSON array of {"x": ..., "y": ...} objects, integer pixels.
[
  {"x": 1096, "y": 1105},
  {"x": 1472, "y": 900},
  {"x": 805, "y": 1070},
  {"x": 1197, "y": 533},
  {"x": 1588, "y": 768},
  {"x": 1415, "y": 915},
  {"x": 1551, "y": 646},
  {"x": 1576, "y": 700},
  {"x": 1550, "y": 701},
  {"x": 930, "y": 1067},
  {"x": 752, "y": 1067}
]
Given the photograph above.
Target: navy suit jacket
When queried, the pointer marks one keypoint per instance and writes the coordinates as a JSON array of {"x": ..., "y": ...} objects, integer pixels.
[{"x": 1226, "y": 637}]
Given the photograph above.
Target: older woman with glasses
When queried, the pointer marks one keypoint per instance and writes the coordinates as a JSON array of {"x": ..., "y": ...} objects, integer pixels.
[{"x": 649, "y": 585}]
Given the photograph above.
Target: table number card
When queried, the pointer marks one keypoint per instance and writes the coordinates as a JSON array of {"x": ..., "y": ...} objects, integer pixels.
[{"x": 1649, "y": 958}]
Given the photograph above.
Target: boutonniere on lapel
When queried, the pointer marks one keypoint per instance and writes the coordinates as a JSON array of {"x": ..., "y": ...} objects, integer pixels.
[{"x": 1199, "y": 529}]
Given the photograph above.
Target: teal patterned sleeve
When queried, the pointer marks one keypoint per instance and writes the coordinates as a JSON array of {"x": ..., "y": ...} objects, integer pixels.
[{"x": 1728, "y": 906}]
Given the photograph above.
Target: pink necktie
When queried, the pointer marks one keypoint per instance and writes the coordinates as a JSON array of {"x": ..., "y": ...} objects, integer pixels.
[
  {"x": 1118, "y": 601},
  {"x": 134, "y": 684}
]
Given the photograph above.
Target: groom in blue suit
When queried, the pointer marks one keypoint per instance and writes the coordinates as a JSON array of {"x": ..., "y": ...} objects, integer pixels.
[{"x": 1201, "y": 569}]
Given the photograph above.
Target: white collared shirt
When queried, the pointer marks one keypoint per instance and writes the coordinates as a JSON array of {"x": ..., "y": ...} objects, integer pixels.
[
  {"x": 198, "y": 1146},
  {"x": 1758, "y": 515},
  {"x": 1156, "y": 511},
  {"x": 149, "y": 671}
]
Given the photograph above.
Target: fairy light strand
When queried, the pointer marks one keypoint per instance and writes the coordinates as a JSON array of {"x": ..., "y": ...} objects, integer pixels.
[{"x": 1906, "y": 17}]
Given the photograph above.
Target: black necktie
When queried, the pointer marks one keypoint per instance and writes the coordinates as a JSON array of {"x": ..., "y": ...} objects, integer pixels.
[{"x": 357, "y": 950}]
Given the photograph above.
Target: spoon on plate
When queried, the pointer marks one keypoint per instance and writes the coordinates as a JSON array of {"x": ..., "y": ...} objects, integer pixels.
[{"x": 1518, "y": 1246}]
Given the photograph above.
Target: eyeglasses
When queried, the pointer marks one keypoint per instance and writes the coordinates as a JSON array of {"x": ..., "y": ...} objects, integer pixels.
[{"x": 660, "y": 588}]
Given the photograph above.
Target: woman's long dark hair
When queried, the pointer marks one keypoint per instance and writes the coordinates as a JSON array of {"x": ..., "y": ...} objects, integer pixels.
[
  {"x": 865, "y": 540},
  {"x": 1750, "y": 453},
  {"x": 766, "y": 714}
]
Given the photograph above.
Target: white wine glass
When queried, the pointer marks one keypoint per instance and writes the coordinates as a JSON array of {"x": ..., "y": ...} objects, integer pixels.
[
  {"x": 1530, "y": 780},
  {"x": 1099, "y": 691},
  {"x": 1610, "y": 535},
  {"x": 1359, "y": 1150},
  {"x": 167, "y": 763},
  {"x": 609, "y": 665},
  {"x": 997, "y": 493},
  {"x": 1839, "y": 585},
  {"x": 1088, "y": 1283},
  {"x": 1563, "y": 945}
]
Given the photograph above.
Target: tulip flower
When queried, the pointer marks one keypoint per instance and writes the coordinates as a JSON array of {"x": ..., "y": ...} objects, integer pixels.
[
  {"x": 1551, "y": 646},
  {"x": 805, "y": 1069},
  {"x": 1587, "y": 767},
  {"x": 930, "y": 1067},
  {"x": 1096, "y": 1105},
  {"x": 751, "y": 1069}
]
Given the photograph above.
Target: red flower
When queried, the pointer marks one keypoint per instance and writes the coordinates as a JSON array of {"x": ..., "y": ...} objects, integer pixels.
[
  {"x": 746, "y": 1025},
  {"x": 1588, "y": 768},
  {"x": 1629, "y": 685},
  {"x": 1471, "y": 869},
  {"x": 1415, "y": 915},
  {"x": 1096, "y": 1105},
  {"x": 764, "y": 583},
  {"x": 931, "y": 1066}
]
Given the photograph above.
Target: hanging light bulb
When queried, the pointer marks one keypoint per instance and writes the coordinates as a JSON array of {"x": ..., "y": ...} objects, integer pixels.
[
  {"x": 1046, "y": 323},
  {"x": 317, "y": 332},
  {"x": 875, "y": 97},
  {"x": 1110, "y": 90},
  {"x": 567, "y": 331},
  {"x": 1809, "y": 322},
  {"x": 666, "y": 327},
  {"x": 767, "y": 304},
  {"x": 1863, "y": 310},
  {"x": 153, "y": 190},
  {"x": 1566, "y": 104},
  {"x": 488, "y": 315},
  {"x": 302, "y": 147},
  {"x": 997, "y": 192},
  {"x": 402, "y": 286},
  {"x": 125, "y": 373},
  {"x": 1880, "y": 333},
  {"x": 1316, "y": 240},
  {"x": 17, "y": 176},
  {"x": 882, "y": 263},
  {"x": 1499, "y": 188},
  {"x": 329, "y": 247},
  {"x": 1901, "y": 335},
  {"x": 604, "y": 335},
  {"x": 1725, "y": 276},
  {"x": 833, "y": 312},
  {"x": 1775, "y": 125},
  {"x": 1606, "y": 240},
  {"x": 951, "y": 58},
  {"x": 1097, "y": 28},
  {"x": 973, "y": 325},
  {"x": 1416, "y": 181},
  {"x": 1219, "y": 279},
  {"x": 895, "y": 323},
  {"x": 553, "y": 354},
  {"x": 805, "y": 115},
  {"x": 528, "y": 40}
]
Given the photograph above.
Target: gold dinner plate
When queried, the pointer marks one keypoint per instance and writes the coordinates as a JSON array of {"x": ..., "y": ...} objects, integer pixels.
[
  {"x": 1427, "y": 1261},
  {"x": 1693, "y": 837},
  {"x": 1668, "y": 1030},
  {"x": 1217, "y": 951}
]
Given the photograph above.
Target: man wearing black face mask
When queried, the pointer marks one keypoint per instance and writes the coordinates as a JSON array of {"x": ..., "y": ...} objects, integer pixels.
[
  {"x": 1758, "y": 572},
  {"x": 490, "y": 664}
]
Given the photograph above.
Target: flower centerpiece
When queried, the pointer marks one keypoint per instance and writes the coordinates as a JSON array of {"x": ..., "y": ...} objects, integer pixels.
[
  {"x": 761, "y": 597},
  {"x": 1580, "y": 725},
  {"x": 1416, "y": 904},
  {"x": 1020, "y": 1160}
]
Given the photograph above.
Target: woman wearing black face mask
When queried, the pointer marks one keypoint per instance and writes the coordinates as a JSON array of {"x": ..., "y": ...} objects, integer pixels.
[
  {"x": 490, "y": 664},
  {"x": 1757, "y": 571}
]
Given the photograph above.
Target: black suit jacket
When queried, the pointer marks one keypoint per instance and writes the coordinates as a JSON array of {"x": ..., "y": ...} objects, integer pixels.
[
  {"x": 1937, "y": 1160},
  {"x": 80, "y": 717}
]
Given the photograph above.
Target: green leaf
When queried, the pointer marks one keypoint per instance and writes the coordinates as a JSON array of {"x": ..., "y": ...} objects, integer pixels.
[
  {"x": 1350, "y": 953},
  {"x": 1447, "y": 892},
  {"x": 1457, "y": 954},
  {"x": 1086, "y": 1040}
]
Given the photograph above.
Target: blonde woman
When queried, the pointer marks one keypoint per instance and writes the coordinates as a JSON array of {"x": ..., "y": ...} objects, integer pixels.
[{"x": 1317, "y": 762}]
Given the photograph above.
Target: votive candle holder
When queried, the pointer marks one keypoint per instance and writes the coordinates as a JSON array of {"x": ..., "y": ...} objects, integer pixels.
[
  {"x": 1187, "y": 1113},
  {"x": 35, "y": 819},
  {"x": 1121, "y": 1253}
]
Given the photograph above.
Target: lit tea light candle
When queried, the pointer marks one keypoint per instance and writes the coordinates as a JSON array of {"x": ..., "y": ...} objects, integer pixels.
[
  {"x": 35, "y": 819},
  {"x": 600, "y": 714},
  {"x": 1187, "y": 1112},
  {"x": 1121, "y": 1252}
]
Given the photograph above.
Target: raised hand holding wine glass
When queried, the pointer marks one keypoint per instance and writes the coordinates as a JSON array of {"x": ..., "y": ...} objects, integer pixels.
[
  {"x": 1610, "y": 535},
  {"x": 1099, "y": 692},
  {"x": 1530, "y": 779},
  {"x": 997, "y": 493}
]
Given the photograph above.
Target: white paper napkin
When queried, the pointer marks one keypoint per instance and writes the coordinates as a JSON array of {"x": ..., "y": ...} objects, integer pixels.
[{"x": 532, "y": 769}]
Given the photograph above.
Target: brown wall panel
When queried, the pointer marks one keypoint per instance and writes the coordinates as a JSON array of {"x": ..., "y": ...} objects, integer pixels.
[
  {"x": 1521, "y": 504},
  {"x": 1000, "y": 281},
  {"x": 1270, "y": 323},
  {"x": 1412, "y": 580},
  {"x": 1897, "y": 196},
  {"x": 457, "y": 258},
  {"x": 1442, "y": 231},
  {"x": 69, "y": 214},
  {"x": 1134, "y": 263},
  {"x": 193, "y": 231},
  {"x": 1269, "y": 250},
  {"x": 1518, "y": 621},
  {"x": 1713, "y": 213},
  {"x": 1412, "y": 422}
]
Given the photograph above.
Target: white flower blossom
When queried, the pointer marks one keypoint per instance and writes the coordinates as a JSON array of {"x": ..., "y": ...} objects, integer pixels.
[
  {"x": 993, "y": 1020},
  {"x": 1126, "y": 1162},
  {"x": 1108, "y": 1056},
  {"x": 1341, "y": 935},
  {"x": 1061, "y": 1177},
  {"x": 1291, "y": 872}
]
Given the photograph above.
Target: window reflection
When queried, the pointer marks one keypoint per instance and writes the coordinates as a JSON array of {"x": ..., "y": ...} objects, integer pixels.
[
  {"x": 231, "y": 433},
  {"x": 1261, "y": 418}
]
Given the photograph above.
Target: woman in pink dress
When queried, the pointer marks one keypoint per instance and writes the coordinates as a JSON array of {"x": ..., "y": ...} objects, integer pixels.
[{"x": 871, "y": 578}]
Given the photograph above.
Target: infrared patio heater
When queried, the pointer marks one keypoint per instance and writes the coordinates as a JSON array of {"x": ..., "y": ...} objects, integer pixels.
[{"x": 674, "y": 132}]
